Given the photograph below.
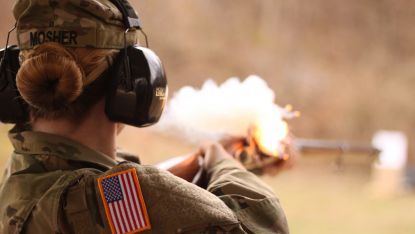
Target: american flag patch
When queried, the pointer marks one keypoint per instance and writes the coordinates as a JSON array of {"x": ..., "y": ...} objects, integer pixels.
[{"x": 124, "y": 203}]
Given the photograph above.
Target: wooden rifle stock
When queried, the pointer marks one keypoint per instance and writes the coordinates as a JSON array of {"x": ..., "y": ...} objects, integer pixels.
[{"x": 186, "y": 167}]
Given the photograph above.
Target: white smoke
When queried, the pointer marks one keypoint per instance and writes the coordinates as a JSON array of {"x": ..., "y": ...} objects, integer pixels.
[{"x": 215, "y": 111}]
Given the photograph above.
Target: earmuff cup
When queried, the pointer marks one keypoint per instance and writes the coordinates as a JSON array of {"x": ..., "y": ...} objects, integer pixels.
[
  {"x": 13, "y": 109},
  {"x": 138, "y": 90}
]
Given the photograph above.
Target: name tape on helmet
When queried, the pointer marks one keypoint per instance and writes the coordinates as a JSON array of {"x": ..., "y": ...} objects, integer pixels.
[{"x": 61, "y": 36}]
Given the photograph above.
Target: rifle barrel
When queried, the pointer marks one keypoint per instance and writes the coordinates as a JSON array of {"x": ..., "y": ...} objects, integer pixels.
[{"x": 333, "y": 146}]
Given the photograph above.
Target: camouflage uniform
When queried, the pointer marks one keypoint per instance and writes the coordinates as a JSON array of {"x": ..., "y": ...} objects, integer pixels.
[{"x": 50, "y": 186}]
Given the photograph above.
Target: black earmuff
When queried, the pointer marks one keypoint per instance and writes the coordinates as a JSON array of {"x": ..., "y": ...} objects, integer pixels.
[
  {"x": 12, "y": 107},
  {"x": 138, "y": 90}
]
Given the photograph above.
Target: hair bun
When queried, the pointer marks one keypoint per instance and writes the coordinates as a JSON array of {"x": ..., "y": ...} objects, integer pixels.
[{"x": 50, "y": 78}]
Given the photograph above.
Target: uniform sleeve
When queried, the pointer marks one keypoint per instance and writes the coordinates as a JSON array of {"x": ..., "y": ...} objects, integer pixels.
[{"x": 253, "y": 202}]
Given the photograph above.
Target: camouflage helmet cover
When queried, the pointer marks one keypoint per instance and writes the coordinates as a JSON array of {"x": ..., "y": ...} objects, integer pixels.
[{"x": 73, "y": 23}]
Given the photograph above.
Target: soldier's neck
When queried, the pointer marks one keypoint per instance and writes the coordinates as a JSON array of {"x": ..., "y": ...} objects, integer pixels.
[{"x": 94, "y": 131}]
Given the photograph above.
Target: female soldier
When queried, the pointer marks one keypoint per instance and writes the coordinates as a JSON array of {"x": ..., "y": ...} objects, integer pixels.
[{"x": 65, "y": 175}]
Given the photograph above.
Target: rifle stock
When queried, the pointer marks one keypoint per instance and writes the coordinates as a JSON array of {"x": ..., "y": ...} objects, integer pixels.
[{"x": 186, "y": 167}]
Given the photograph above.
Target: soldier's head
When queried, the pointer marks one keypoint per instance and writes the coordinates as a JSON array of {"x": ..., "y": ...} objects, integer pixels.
[
  {"x": 67, "y": 49},
  {"x": 58, "y": 82}
]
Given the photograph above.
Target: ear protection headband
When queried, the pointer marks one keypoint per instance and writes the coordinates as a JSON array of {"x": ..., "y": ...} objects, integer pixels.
[{"x": 138, "y": 90}]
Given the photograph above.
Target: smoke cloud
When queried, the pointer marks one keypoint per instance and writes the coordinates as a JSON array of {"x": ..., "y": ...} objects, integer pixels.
[{"x": 216, "y": 111}]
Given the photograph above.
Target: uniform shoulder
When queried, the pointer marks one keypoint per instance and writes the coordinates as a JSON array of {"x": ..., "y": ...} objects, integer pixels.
[
  {"x": 30, "y": 202},
  {"x": 132, "y": 197}
]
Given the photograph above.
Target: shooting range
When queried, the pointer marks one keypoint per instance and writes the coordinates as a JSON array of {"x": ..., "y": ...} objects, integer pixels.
[{"x": 337, "y": 78}]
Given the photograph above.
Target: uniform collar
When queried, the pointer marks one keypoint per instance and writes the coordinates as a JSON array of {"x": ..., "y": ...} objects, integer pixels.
[{"x": 40, "y": 143}]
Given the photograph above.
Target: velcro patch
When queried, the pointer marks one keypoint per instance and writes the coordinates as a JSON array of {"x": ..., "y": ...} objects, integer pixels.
[{"x": 124, "y": 203}]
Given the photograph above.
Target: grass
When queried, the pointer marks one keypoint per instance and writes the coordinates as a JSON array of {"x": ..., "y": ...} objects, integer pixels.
[{"x": 327, "y": 203}]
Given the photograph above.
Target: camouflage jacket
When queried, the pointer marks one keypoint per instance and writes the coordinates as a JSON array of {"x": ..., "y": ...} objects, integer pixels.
[{"x": 52, "y": 185}]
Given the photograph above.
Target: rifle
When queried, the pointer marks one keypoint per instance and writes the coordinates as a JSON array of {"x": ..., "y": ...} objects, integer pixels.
[
  {"x": 188, "y": 167},
  {"x": 306, "y": 146}
]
